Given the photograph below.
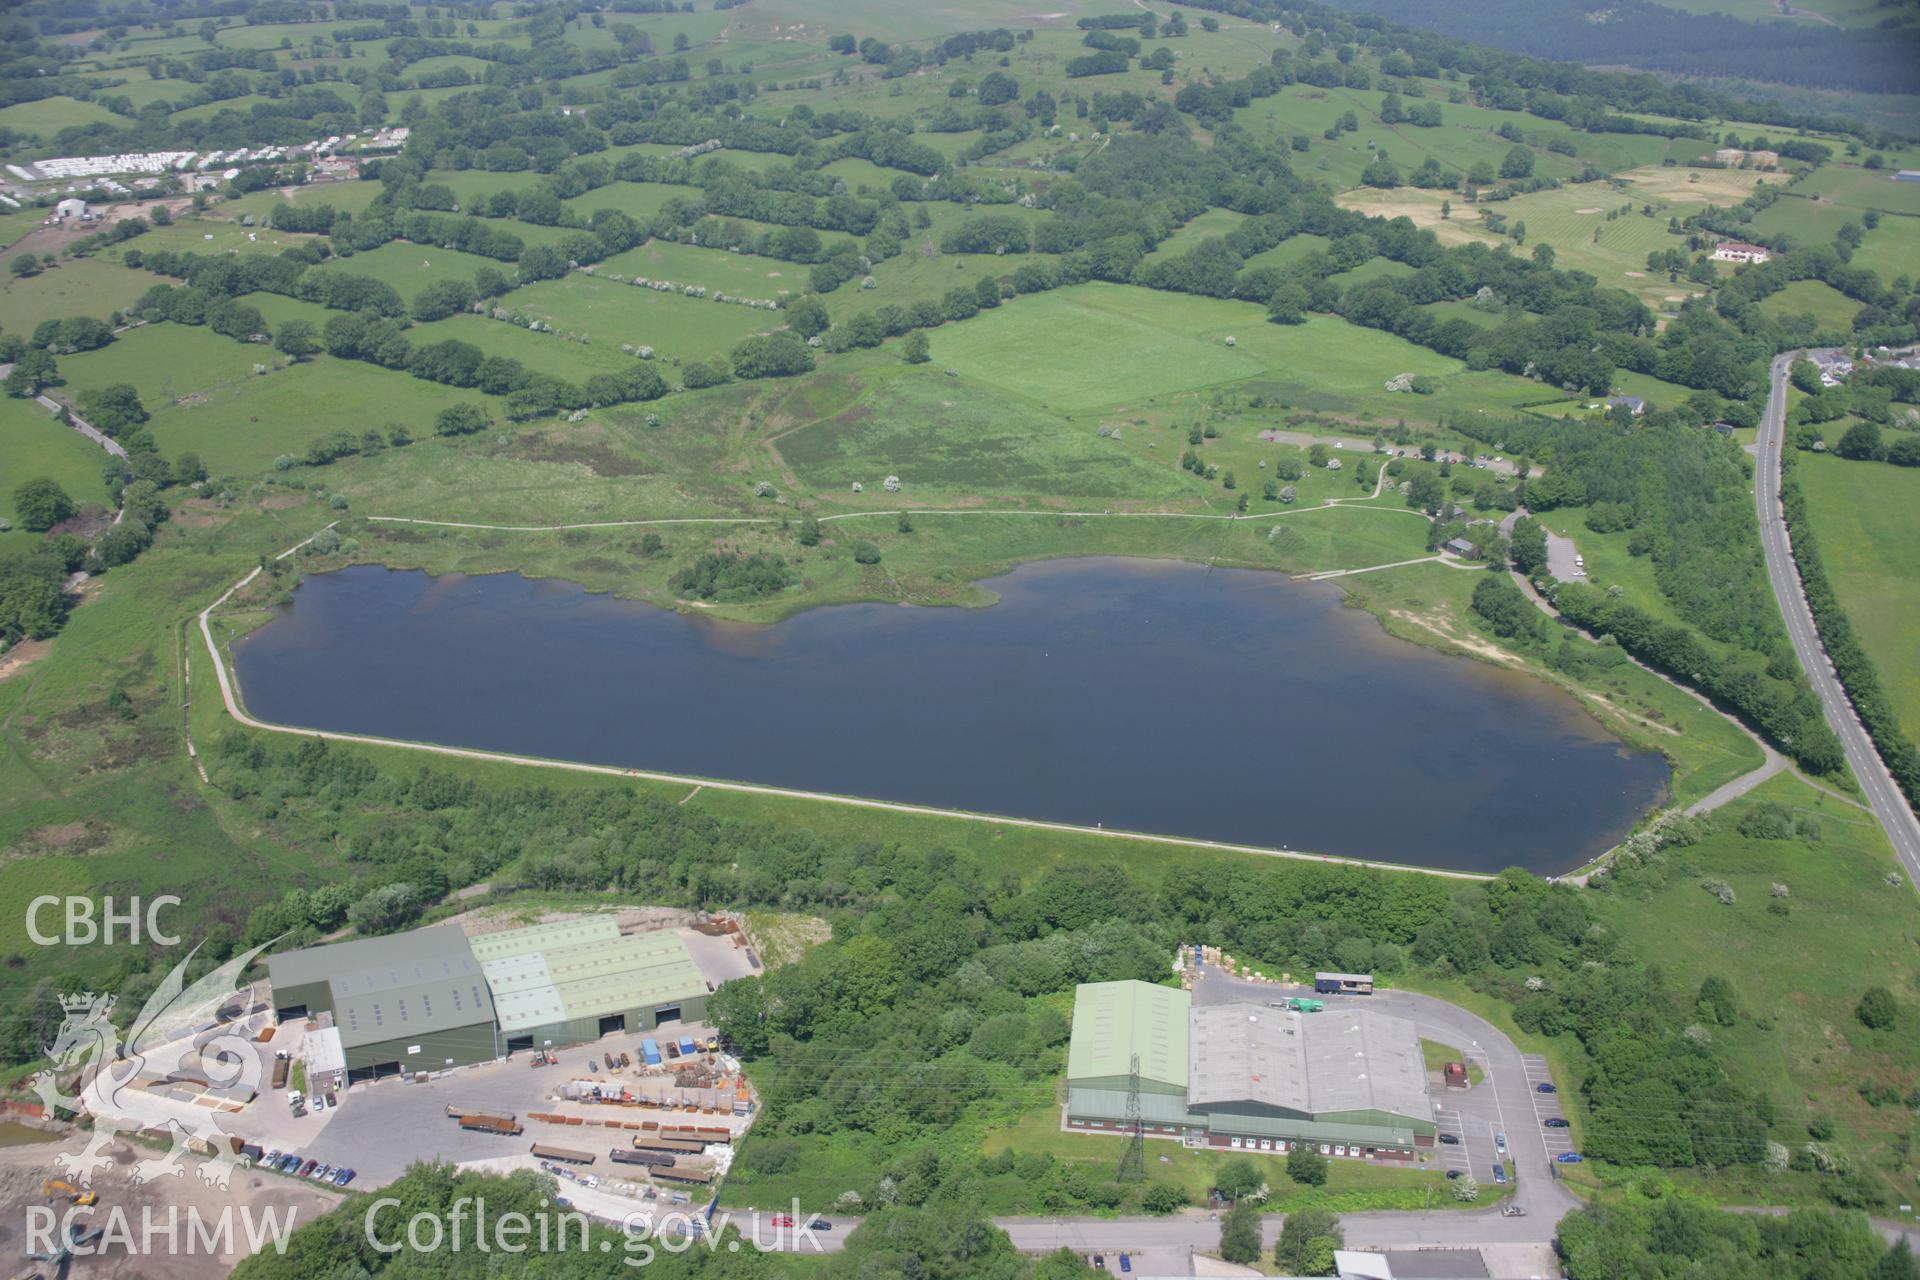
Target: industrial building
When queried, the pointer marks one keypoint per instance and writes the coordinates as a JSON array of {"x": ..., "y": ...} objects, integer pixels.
[
  {"x": 1249, "y": 1076},
  {"x": 581, "y": 979},
  {"x": 413, "y": 1001},
  {"x": 434, "y": 998}
]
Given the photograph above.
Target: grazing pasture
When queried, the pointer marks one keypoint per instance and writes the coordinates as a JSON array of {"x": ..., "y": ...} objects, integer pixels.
[{"x": 1867, "y": 517}]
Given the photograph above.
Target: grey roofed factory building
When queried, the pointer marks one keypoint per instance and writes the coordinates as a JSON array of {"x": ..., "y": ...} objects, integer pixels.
[
  {"x": 405, "y": 1002},
  {"x": 1257, "y": 1076},
  {"x": 434, "y": 997}
]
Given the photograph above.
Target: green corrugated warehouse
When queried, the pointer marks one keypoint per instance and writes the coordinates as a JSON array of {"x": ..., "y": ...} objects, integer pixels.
[
  {"x": 581, "y": 979},
  {"x": 1247, "y": 1076},
  {"x": 432, "y": 998},
  {"x": 1114, "y": 1020},
  {"x": 413, "y": 1001}
]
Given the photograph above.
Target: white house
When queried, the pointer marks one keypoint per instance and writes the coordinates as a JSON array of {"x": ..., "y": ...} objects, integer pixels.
[{"x": 1734, "y": 251}]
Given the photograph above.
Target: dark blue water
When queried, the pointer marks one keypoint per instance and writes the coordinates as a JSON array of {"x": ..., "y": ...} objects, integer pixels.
[{"x": 1152, "y": 696}]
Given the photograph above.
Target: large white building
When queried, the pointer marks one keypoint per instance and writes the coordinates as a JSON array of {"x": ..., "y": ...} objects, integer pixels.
[
  {"x": 1247, "y": 1076},
  {"x": 1734, "y": 251}
]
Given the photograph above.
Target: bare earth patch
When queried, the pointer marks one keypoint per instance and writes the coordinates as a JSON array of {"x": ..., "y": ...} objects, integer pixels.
[
  {"x": 23, "y": 653},
  {"x": 1438, "y": 625}
]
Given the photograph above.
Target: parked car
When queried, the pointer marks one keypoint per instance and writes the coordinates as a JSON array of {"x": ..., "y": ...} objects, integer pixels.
[
  {"x": 782, "y": 1219},
  {"x": 1545, "y": 1087},
  {"x": 1569, "y": 1157},
  {"x": 1500, "y": 1174},
  {"x": 306, "y": 1167},
  {"x": 1500, "y": 1143},
  {"x": 1554, "y": 1122},
  {"x": 1512, "y": 1211},
  {"x": 1450, "y": 1139},
  {"x": 323, "y": 1174},
  {"x": 821, "y": 1224},
  {"x": 1452, "y": 1174},
  {"x": 343, "y": 1177},
  {"x": 1126, "y": 1263}
]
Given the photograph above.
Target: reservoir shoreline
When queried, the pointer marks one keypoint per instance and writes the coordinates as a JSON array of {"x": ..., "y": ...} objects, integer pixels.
[{"x": 1245, "y": 696}]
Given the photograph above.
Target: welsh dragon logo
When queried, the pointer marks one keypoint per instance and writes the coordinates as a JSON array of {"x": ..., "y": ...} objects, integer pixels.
[{"x": 176, "y": 1050}]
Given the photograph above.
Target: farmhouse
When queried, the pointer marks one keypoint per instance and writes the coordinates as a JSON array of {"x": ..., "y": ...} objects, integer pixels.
[
  {"x": 1634, "y": 404},
  {"x": 1734, "y": 251},
  {"x": 432, "y": 998},
  {"x": 1248, "y": 1076}
]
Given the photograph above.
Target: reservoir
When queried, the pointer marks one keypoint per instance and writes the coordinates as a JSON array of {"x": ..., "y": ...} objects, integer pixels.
[{"x": 1150, "y": 696}]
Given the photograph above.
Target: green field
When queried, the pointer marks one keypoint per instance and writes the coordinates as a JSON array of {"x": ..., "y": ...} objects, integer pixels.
[
  {"x": 964, "y": 439},
  {"x": 1892, "y": 248},
  {"x": 1831, "y": 309},
  {"x": 1575, "y": 220},
  {"x": 95, "y": 287},
  {"x": 713, "y": 269},
  {"x": 165, "y": 363},
  {"x": 48, "y": 116},
  {"x": 547, "y": 352},
  {"x": 611, "y": 314},
  {"x": 1095, "y": 345},
  {"x": 1796, "y": 1040},
  {"x": 242, "y": 425},
  {"x": 410, "y": 267},
  {"x": 32, "y": 445},
  {"x": 641, "y": 199},
  {"x": 1858, "y": 189},
  {"x": 1867, "y": 516}
]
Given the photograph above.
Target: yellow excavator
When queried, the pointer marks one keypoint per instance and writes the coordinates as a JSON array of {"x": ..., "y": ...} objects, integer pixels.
[{"x": 60, "y": 1188}]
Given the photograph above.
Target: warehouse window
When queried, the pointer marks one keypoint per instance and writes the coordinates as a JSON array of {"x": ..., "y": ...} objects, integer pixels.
[
  {"x": 377, "y": 1019},
  {"x": 428, "y": 1002}
]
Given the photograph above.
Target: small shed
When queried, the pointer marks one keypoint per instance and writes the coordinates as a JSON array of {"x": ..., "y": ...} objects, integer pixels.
[{"x": 1454, "y": 1075}]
